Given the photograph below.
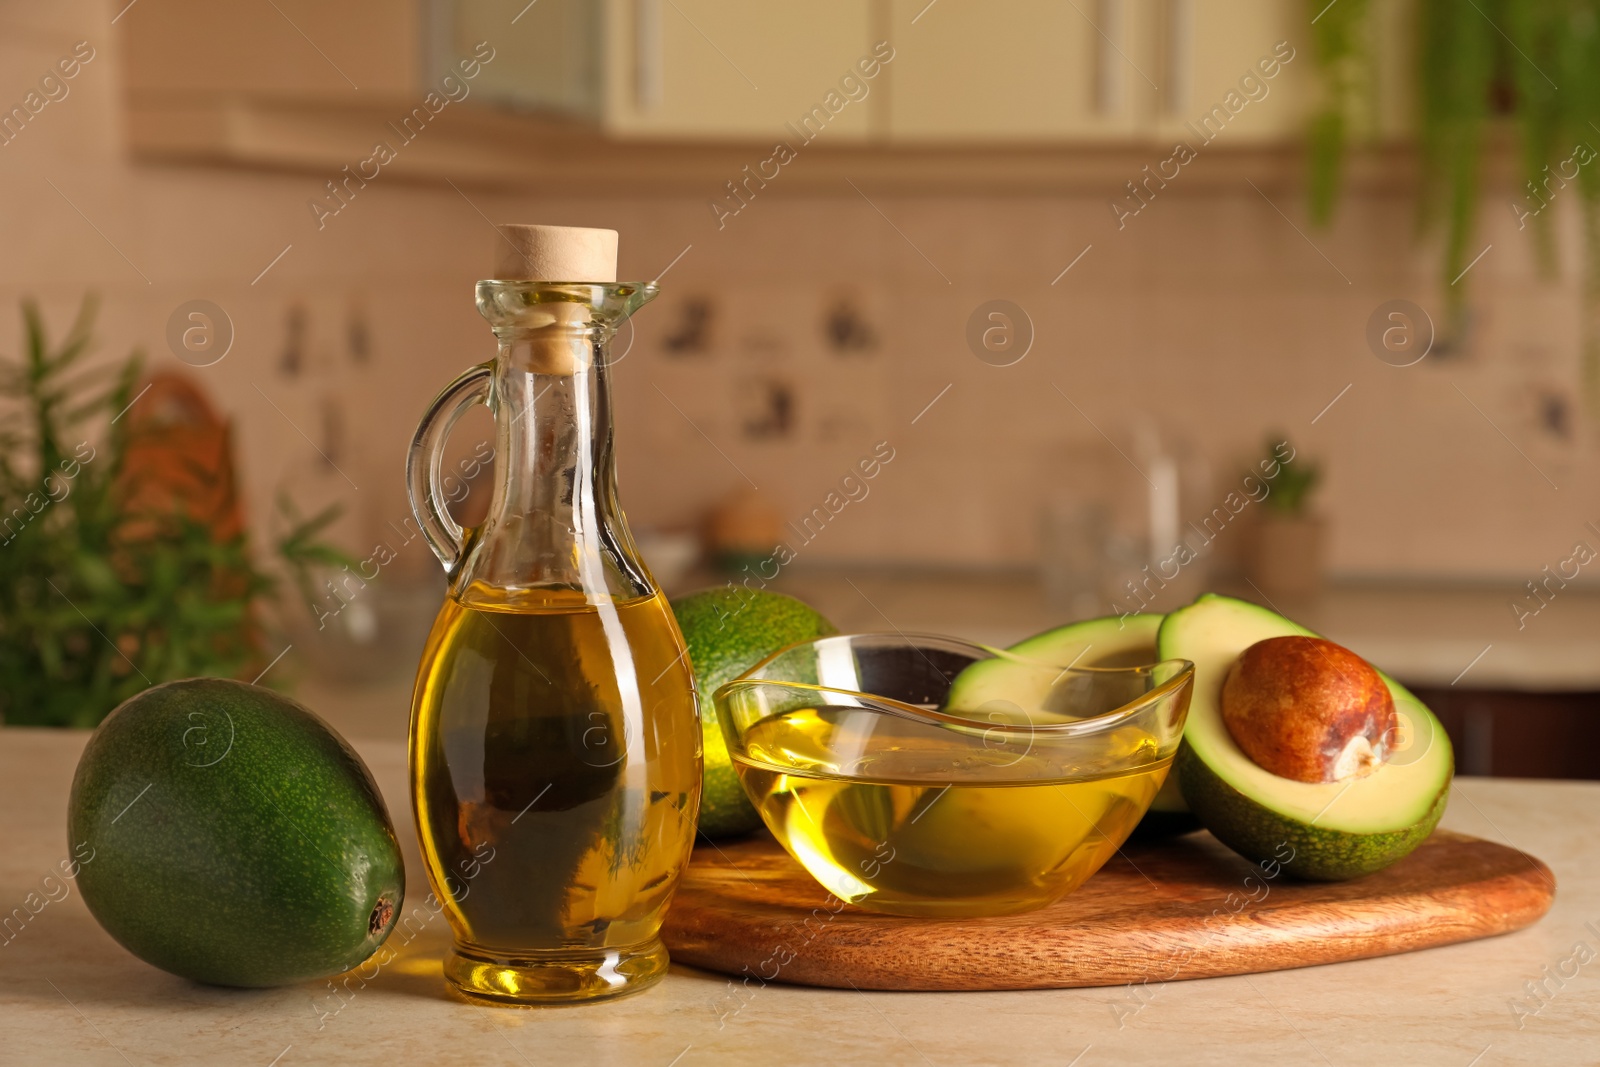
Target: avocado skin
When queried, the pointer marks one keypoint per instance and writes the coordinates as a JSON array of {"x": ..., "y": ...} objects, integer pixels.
[
  {"x": 728, "y": 631},
  {"x": 1258, "y": 833},
  {"x": 260, "y": 851}
]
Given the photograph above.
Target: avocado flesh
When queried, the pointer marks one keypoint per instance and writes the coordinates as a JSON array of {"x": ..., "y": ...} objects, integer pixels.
[
  {"x": 728, "y": 631},
  {"x": 1110, "y": 641},
  {"x": 236, "y": 840},
  {"x": 1337, "y": 830}
]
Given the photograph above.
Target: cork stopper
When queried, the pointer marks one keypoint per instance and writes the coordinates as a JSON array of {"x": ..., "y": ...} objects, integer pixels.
[
  {"x": 557, "y": 339},
  {"x": 555, "y": 254}
]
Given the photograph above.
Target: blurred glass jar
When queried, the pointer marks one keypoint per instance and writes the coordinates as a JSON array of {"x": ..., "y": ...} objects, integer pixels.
[
  {"x": 1161, "y": 556},
  {"x": 1119, "y": 532},
  {"x": 1073, "y": 538}
]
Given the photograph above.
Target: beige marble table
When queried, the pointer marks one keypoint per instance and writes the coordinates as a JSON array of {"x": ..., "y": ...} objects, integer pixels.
[{"x": 70, "y": 995}]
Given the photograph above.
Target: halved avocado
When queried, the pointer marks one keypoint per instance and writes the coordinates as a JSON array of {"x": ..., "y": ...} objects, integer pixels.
[
  {"x": 1331, "y": 830},
  {"x": 1110, "y": 641}
]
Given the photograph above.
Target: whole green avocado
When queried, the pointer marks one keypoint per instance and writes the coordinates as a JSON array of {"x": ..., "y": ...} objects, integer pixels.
[
  {"x": 728, "y": 631},
  {"x": 236, "y": 839}
]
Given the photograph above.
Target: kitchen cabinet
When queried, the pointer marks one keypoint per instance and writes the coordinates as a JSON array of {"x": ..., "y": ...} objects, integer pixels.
[
  {"x": 1020, "y": 70},
  {"x": 915, "y": 95},
  {"x": 712, "y": 69},
  {"x": 962, "y": 71},
  {"x": 547, "y": 54},
  {"x": 1100, "y": 70},
  {"x": 1513, "y": 734},
  {"x": 1236, "y": 73},
  {"x": 685, "y": 69}
]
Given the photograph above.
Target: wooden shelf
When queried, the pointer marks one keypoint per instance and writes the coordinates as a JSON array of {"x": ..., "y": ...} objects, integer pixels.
[{"x": 491, "y": 148}]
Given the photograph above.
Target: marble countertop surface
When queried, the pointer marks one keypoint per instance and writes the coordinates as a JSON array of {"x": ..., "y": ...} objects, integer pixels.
[{"x": 69, "y": 994}]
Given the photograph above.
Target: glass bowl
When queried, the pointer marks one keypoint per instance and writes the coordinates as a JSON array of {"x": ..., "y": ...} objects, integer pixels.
[{"x": 928, "y": 776}]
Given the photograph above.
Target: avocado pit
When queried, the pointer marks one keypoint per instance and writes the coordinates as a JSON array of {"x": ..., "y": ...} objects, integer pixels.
[{"x": 1307, "y": 709}]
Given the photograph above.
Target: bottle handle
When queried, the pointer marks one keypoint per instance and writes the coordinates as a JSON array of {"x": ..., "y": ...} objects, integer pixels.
[{"x": 425, "y": 462}]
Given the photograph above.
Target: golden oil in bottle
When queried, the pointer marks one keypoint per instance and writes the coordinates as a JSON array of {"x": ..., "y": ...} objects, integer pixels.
[
  {"x": 555, "y": 754},
  {"x": 555, "y": 744},
  {"x": 896, "y": 831}
]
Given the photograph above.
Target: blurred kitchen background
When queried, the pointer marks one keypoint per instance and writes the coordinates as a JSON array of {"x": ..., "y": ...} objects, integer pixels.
[{"x": 1077, "y": 267}]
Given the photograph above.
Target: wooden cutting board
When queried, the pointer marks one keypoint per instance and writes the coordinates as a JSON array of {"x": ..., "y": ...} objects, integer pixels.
[{"x": 1158, "y": 912}]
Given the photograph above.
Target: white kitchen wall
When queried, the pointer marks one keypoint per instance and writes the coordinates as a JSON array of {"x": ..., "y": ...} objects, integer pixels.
[{"x": 1212, "y": 314}]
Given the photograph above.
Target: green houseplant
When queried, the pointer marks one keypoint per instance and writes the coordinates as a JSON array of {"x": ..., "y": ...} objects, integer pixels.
[
  {"x": 1484, "y": 69},
  {"x": 100, "y": 598}
]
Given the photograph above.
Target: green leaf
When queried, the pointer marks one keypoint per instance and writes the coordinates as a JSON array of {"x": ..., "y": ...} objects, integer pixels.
[
  {"x": 180, "y": 600},
  {"x": 1340, "y": 38}
]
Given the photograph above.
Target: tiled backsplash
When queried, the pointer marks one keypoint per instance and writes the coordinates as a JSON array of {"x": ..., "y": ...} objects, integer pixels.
[{"x": 791, "y": 342}]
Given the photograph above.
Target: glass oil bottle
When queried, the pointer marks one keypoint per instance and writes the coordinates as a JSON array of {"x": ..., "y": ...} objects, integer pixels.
[{"x": 555, "y": 749}]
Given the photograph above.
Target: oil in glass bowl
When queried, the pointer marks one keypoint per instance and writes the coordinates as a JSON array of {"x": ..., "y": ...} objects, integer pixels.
[{"x": 919, "y": 814}]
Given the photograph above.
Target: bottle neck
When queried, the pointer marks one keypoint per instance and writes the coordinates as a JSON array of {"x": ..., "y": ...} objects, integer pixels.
[{"x": 553, "y": 525}]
